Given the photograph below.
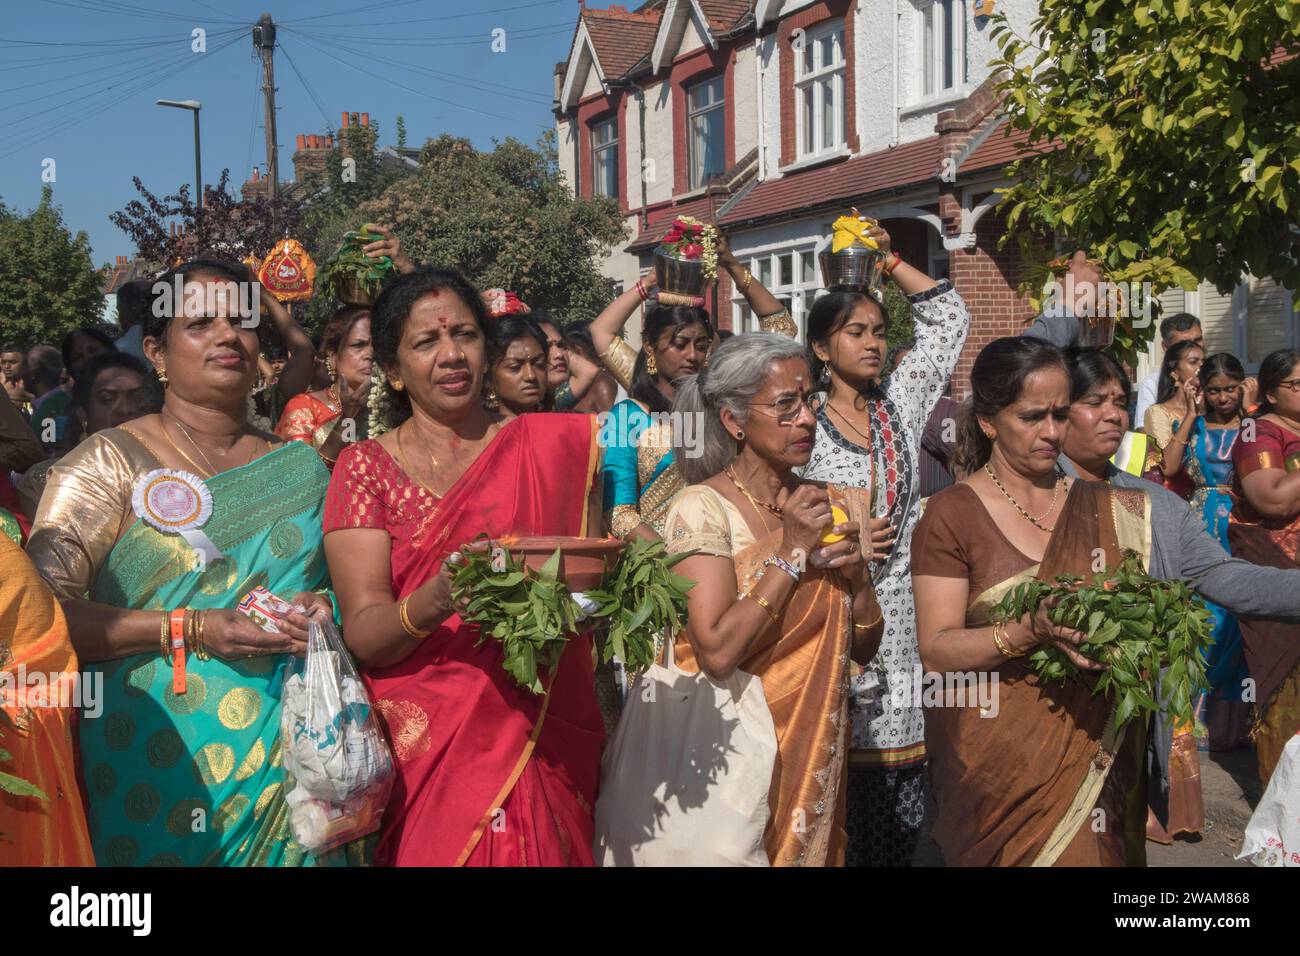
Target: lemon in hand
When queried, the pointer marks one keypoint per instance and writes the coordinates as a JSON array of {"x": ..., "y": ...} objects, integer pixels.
[{"x": 838, "y": 517}]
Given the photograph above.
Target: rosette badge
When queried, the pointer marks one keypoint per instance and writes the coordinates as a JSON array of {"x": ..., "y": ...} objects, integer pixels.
[
  {"x": 854, "y": 261},
  {"x": 686, "y": 261}
]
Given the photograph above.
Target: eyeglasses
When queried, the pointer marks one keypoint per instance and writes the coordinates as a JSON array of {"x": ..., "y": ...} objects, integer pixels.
[
  {"x": 787, "y": 409},
  {"x": 1292, "y": 383}
]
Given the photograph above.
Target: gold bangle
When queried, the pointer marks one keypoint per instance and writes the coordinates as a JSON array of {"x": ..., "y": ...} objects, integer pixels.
[
  {"x": 767, "y": 608},
  {"x": 1003, "y": 642},
  {"x": 749, "y": 277},
  {"x": 165, "y": 648},
  {"x": 867, "y": 627},
  {"x": 200, "y": 649},
  {"x": 406, "y": 619}
]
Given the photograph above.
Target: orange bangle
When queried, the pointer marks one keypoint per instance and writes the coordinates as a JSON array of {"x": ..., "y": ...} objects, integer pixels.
[{"x": 177, "y": 621}]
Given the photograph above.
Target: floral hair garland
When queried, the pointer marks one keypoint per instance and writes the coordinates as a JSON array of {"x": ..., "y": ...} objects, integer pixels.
[
  {"x": 691, "y": 239},
  {"x": 379, "y": 403}
]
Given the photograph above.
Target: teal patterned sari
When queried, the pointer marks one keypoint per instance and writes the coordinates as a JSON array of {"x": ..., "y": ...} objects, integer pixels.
[{"x": 196, "y": 779}]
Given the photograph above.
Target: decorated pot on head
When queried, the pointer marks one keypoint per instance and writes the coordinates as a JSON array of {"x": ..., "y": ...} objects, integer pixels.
[
  {"x": 499, "y": 302},
  {"x": 854, "y": 261},
  {"x": 686, "y": 261}
]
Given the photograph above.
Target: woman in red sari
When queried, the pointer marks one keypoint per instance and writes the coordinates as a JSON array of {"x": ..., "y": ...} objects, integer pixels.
[
  {"x": 489, "y": 773},
  {"x": 320, "y": 418},
  {"x": 1265, "y": 529}
]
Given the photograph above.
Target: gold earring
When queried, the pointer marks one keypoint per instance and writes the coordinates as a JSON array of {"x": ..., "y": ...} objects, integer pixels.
[
  {"x": 491, "y": 400},
  {"x": 329, "y": 367},
  {"x": 162, "y": 375},
  {"x": 397, "y": 385},
  {"x": 650, "y": 366}
]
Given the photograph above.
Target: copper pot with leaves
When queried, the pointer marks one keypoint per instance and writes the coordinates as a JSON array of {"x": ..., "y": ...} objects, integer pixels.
[{"x": 352, "y": 277}]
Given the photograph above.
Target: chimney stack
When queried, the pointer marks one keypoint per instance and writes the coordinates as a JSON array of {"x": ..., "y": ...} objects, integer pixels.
[
  {"x": 345, "y": 119},
  {"x": 302, "y": 141},
  {"x": 365, "y": 119}
]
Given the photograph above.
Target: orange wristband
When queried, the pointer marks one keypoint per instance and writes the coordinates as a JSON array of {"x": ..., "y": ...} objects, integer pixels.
[{"x": 177, "y": 621}]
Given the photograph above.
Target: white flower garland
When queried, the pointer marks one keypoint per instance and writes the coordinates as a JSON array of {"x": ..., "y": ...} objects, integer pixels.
[
  {"x": 709, "y": 243},
  {"x": 379, "y": 402}
]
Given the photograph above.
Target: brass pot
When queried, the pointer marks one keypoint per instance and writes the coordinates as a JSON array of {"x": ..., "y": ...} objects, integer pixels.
[
  {"x": 679, "y": 276},
  {"x": 352, "y": 292},
  {"x": 854, "y": 268}
]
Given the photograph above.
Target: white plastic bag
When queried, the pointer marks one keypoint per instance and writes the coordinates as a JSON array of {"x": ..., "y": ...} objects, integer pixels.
[
  {"x": 685, "y": 779},
  {"x": 339, "y": 772},
  {"x": 1273, "y": 833}
]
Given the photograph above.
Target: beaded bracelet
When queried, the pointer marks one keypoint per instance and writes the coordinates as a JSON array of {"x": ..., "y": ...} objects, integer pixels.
[{"x": 780, "y": 562}]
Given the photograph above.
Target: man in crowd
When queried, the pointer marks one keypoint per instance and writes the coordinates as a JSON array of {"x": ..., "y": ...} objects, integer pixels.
[
  {"x": 52, "y": 406},
  {"x": 13, "y": 372}
]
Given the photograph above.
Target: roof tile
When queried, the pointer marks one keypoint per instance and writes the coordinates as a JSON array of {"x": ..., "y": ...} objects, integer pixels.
[{"x": 621, "y": 38}]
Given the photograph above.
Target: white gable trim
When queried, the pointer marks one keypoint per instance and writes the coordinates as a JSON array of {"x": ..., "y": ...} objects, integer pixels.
[
  {"x": 766, "y": 10},
  {"x": 582, "y": 47},
  {"x": 672, "y": 25}
]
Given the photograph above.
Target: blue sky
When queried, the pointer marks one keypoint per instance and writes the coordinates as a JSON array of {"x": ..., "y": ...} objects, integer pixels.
[{"x": 79, "y": 78}]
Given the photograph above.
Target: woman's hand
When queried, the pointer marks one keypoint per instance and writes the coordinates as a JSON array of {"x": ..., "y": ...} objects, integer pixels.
[
  {"x": 726, "y": 258},
  {"x": 807, "y": 512},
  {"x": 1037, "y": 629},
  {"x": 232, "y": 636},
  {"x": 316, "y": 607},
  {"x": 878, "y": 233},
  {"x": 1249, "y": 394},
  {"x": 844, "y": 556},
  {"x": 389, "y": 246},
  {"x": 354, "y": 401},
  {"x": 882, "y": 539},
  {"x": 1193, "y": 398}
]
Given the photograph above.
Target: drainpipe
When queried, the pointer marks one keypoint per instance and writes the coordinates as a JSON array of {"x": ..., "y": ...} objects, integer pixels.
[{"x": 898, "y": 22}]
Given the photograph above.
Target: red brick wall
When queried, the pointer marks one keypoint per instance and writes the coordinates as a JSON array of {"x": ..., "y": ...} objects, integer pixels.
[
  {"x": 806, "y": 18},
  {"x": 986, "y": 278}
]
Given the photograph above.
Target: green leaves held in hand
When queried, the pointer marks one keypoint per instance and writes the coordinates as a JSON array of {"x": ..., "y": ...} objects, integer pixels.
[
  {"x": 532, "y": 612},
  {"x": 349, "y": 261},
  {"x": 1137, "y": 625},
  {"x": 640, "y": 598}
]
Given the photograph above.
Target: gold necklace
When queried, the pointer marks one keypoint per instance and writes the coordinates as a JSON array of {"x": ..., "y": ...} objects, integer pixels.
[
  {"x": 194, "y": 464},
  {"x": 1036, "y": 522},
  {"x": 199, "y": 448},
  {"x": 334, "y": 397},
  {"x": 752, "y": 500},
  {"x": 842, "y": 417}
]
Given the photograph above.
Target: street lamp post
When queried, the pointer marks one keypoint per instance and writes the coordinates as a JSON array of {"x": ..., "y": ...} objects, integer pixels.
[{"x": 194, "y": 106}]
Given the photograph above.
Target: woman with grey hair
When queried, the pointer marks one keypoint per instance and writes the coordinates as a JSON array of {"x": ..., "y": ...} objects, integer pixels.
[{"x": 781, "y": 590}]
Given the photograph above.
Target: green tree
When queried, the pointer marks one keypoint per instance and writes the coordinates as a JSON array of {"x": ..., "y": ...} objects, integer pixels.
[
  {"x": 506, "y": 219},
  {"x": 1166, "y": 136},
  {"x": 401, "y": 131},
  {"x": 48, "y": 283}
]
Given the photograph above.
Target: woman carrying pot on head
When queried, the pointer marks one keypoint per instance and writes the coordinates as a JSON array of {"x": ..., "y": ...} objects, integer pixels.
[
  {"x": 329, "y": 418},
  {"x": 869, "y": 434},
  {"x": 772, "y": 596},
  {"x": 639, "y": 472}
]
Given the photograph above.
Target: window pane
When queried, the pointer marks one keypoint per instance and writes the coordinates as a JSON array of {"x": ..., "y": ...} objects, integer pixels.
[
  {"x": 828, "y": 112},
  {"x": 949, "y": 38},
  {"x": 707, "y": 146},
  {"x": 826, "y": 50},
  {"x": 785, "y": 269},
  {"x": 806, "y": 60},
  {"x": 765, "y": 271},
  {"x": 809, "y": 143},
  {"x": 808, "y": 268}
]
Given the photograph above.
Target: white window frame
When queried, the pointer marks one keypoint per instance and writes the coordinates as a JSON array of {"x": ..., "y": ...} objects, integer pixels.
[
  {"x": 805, "y": 80},
  {"x": 695, "y": 177},
  {"x": 930, "y": 69},
  {"x": 597, "y": 168},
  {"x": 799, "y": 294}
]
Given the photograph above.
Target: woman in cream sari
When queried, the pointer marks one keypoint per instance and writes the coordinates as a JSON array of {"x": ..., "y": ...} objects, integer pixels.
[
  {"x": 183, "y": 765},
  {"x": 771, "y": 598},
  {"x": 1027, "y": 781}
]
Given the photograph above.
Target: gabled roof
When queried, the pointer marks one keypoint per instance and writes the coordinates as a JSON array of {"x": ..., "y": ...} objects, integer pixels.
[
  {"x": 711, "y": 17},
  {"x": 613, "y": 42}
]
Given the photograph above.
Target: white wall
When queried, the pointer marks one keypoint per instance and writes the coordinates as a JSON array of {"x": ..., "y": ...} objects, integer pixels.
[
  {"x": 744, "y": 111},
  {"x": 564, "y": 133}
]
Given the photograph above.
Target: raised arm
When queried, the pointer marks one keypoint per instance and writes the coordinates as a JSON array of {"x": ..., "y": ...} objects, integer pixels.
[{"x": 295, "y": 377}]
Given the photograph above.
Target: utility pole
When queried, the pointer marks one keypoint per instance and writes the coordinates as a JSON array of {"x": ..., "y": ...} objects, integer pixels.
[{"x": 264, "y": 43}]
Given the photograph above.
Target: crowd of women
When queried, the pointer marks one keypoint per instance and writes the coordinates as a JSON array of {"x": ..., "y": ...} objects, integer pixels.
[{"x": 442, "y": 414}]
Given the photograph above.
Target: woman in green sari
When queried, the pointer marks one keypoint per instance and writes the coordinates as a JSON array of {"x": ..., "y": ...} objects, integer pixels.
[{"x": 151, "y": 534}]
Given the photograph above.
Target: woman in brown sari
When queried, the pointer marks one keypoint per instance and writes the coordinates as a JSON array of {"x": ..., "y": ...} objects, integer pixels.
[
  {"x": 1045, "y": 780},
  {"x": 770, "y": 597},
  {"x": 1265, "y": 530}
]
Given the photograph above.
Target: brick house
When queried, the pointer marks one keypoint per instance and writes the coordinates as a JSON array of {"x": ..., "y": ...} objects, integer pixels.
[{"x": 771, "y": 118}]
